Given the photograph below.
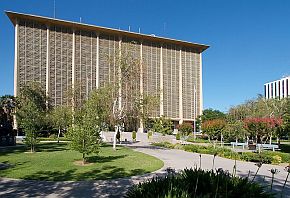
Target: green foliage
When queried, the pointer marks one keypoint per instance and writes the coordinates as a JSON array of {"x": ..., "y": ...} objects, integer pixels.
[
  {"x": 177, "y": 136},
  {"x": 85, "y": 132},
  {"x": 31, "y": 112},
  {"x": 185, "y": 129},
  {"x": 213, "y": 128},
  {"x": 234, "y": 130},
  {"x": 266, "y": 157},
  {"x": 61, "y": 117},
  {"x": 198, "y": 183},
  {"x": 162, "y": 125},
  {"x": 149, "y": 134},
  {"x": 134, "y": 135},
  {"x": 276, "y": 159},
  {"x": 211, "y": 114}
]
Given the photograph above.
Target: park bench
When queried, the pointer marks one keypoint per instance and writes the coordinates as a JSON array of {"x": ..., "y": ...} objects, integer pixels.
[
  {"x": 272, "y": 147},
  {"x": 239, "y": 144}
]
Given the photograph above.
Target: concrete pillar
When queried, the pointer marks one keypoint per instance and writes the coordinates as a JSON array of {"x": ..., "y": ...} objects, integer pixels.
[
  {"x": 16, "y": 68},
  {"x": 47, "y": 63},
  {"x": 97, "y": 61},
  {"x": 180, "y": 90},
  {"x": 141, "y": 128},
  {"x": 200, "y": 86},
  {"x": 73, "y": 67},
  {"x": 120, "y": 76},
  {"x": 161, "y": 82}
]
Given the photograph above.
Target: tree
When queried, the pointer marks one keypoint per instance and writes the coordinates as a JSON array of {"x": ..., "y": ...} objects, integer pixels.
[
  {"x": 85, "y": 132},
  {"x": 7, "y": 106},
  {"x": 185, "y": 128},
  {"x": 61, "y": 118},
  {"x": 211, "y": 114},
  {"x": 31, "y": 112},
  {"x": 213, "y": 128},
  {"x": 262, "y": 128},
  {"x": 162, "y": 125},
  {"x": 234, "y": 129}
]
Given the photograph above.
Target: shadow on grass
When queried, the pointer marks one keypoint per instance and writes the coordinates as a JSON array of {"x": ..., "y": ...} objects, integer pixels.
[
  {"x": 107, "y": 172},
  {"x": 102, "y": 159},
  {"x": 41, "y": 147}
]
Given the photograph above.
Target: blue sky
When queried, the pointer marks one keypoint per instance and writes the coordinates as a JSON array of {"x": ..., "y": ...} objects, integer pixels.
[{"x": 249, "y": 39}]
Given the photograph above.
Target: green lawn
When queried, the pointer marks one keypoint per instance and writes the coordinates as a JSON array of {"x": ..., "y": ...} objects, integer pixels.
[{"x": 55, "y": 162}]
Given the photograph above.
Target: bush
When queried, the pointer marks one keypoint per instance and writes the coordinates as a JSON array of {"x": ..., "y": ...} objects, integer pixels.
[
  {"x": 198, "y": 183},
  {"x": 53, "y": 136},
  {"x": 266, "y": 157},
  {"x": 276, "y": 159},
  {"x": 134, "y": 135},
  {"x": 178, "y": 136},
  {"x": 149, "y": 134}
]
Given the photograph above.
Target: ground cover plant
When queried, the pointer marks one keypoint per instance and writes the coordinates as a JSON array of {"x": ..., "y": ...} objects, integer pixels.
[
  {"x": 266, "y": 157},
  {"x": 55, "y": 162},
  {"x": 198, "y": 183}
]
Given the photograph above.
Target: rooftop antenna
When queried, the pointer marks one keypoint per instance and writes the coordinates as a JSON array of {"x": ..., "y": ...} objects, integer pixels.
[{"x": 53, "y": 8}]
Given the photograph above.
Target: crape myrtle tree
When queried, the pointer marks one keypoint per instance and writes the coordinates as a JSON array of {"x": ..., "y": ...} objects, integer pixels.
[
  {"x": 31, "y": 112},
  {"x": 214, "y": 128},
  {"x": 209, "y": 114},
  {"x": 88, "y": 122}
]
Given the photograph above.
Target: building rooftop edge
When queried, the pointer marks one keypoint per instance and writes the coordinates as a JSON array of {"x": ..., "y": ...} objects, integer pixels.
[
  {"x": 284, "y": 77},
  {"x": 14, "y": 15}
]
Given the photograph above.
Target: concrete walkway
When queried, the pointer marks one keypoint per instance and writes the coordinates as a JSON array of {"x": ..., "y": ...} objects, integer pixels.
[{"x": 176, "y": 159}]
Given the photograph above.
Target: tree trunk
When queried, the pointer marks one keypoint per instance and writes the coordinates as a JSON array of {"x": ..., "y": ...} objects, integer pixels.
[
  {"x": 84, "y": 161},
  {"x": 58, "y": 134},
  {"x": 83, "y": 152},
  {"x": 115, "y": 137}
]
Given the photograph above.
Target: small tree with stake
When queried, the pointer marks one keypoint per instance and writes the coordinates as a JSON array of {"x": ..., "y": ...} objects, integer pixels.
[{"x": 85, "y": 131}]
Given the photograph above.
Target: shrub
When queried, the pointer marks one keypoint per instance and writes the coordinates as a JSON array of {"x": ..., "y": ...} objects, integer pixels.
[
  {"x": 276, "y": 159},
  {"x": 134, "y": 135},
  {"x": 149, "y": 134},
  {"x": 178, "y": 136},
  {"x": 53, "y": 136},
  {"x": 198, "y": 183}
]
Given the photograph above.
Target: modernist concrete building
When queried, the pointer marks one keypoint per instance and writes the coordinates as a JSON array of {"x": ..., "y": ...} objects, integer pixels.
[
  {"x": 58, "y": 53},
  {"x": 278, "y": 88}
]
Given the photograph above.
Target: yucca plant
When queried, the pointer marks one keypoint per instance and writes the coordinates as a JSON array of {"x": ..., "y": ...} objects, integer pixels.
[{"x": 198, "y": 183}]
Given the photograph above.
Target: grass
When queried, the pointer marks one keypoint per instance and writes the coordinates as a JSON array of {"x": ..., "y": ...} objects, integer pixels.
[{"x": 55, "y": 162}]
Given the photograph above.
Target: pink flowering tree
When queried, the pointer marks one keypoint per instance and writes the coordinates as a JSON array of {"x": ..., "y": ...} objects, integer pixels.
[{"x": 262, "y": 129}]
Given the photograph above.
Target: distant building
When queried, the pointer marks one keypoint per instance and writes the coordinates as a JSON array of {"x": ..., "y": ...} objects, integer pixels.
[{"x": 278, "y": 88}]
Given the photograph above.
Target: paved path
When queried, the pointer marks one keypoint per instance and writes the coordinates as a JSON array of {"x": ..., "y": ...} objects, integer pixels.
[{"x": 176, "y": 159}]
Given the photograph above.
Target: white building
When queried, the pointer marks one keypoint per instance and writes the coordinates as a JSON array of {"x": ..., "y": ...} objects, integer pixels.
[{"x": 278, "y": 88}]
